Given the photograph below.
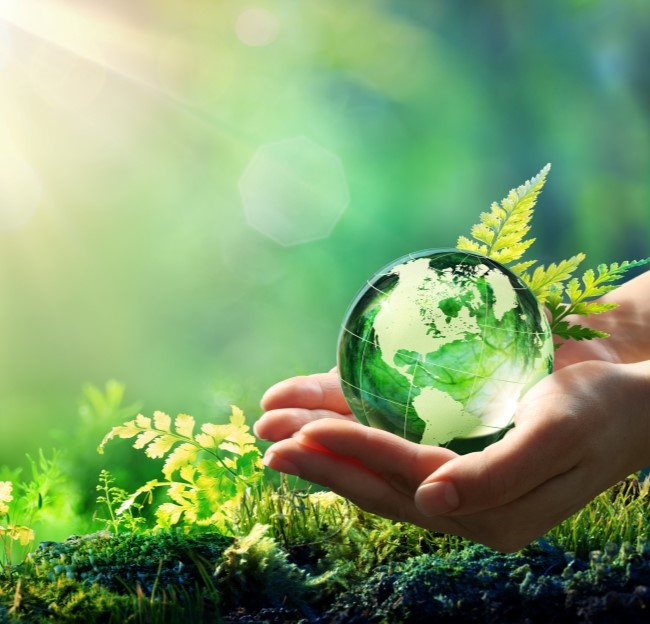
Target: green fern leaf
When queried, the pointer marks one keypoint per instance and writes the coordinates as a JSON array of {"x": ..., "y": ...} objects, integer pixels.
[
  {"x": 160, "y": 446},
  {"x": 544, "y": 279},
  {"x": 144, "y": 438},
  {"x": 169, "y": 514},
  {"x": 505, "y": 255},
  {"x": 183, "y": 454},
  {"x": 502, "y": 230},
  {"x": 188, "y": 472},
  {"x": 521, "y": 267},
  {"x": 237, "y": 418},
  {"x": 481, "y": 232},
  {"x": 564, "y": 329},
  {"x": 180, "y": 492},
  {"x": 162, "y": 421},
  {"x": 206, "y": 441},
  {"x": 5, "y": 496},
  {"x": 213, "y": 435},
  {"x": 129, "y": 429},
  {"x": 249, "y": 464},
  {"x": 143, "y": 421},
  {"x": 587, "y": 308},
  {"x": 184, "y": 424},
  {"x": 466, "y": 244}
]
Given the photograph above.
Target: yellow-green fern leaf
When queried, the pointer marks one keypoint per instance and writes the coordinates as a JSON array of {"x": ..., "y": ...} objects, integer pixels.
[
  {"x": 469, "y": 245},
  {"x": 500, "y": 234},
  {"x": 162, "y": 421},
  {"x": 184, "y": 424},
  {"x": 160, "y": 446},
  {"x": 183, "y": 454},
  {"x": 546, "y": 279},
  {"x": 521, "y": 267}
]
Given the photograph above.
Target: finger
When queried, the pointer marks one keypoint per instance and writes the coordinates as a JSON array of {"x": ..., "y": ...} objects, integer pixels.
[
  {"x": 402, "y": 463},
  {"x": 283, "y": 423},
  {"x": 319, "y": 391},
  {"x": 350, "y": 479}
]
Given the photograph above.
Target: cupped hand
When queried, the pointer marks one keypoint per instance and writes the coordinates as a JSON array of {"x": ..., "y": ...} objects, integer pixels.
[{"x": 576, "y": 433}]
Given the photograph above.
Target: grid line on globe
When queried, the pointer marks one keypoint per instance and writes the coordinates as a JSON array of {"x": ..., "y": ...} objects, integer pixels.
[{"x": 439, "y": 346}]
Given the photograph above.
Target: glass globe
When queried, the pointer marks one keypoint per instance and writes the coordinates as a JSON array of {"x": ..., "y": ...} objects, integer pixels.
[{"x": 439, "y": 347}]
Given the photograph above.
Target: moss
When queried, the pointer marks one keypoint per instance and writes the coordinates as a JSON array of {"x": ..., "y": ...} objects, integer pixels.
[
  {"x": 146, "y": 560},
  {"x": 295, "y": 554},
  {"x": 105, "y": 577},
  {"x": 539, "y": 584},
  {"x": 172, "y": 577},
  {"x": 257, "y": 573}
]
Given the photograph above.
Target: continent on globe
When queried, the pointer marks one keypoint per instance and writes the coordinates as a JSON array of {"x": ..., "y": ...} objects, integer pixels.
[{"x": 440, "y": 346}]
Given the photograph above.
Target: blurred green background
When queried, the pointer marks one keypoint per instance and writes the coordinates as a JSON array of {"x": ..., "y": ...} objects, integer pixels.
[{"x": 191, "y": 193}]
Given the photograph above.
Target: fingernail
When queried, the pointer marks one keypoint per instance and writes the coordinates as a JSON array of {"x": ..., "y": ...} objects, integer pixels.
[
  {"x": 279, "y": 463},
  {"x": 255, "y": 425},
  {"x": 437, "y": 498}
]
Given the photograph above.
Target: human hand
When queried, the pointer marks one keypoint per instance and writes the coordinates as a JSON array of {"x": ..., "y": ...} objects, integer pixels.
[{"x": 577, "y": 432}]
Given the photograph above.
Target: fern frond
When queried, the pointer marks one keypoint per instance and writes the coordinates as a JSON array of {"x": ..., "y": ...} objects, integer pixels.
[
  {"x": 521, "y": 267},
  {"x": 588, "y": 308},
  {"x": 145, "y": 437},
  {"x": 564, "y": 329},
  {"x": 183, "y": 454},
  {"x": 162, "y": 421},
  {"x": 466, "y": 244},
  {"x": 579, "y": 293},
  {"x": 545, "y": 279},
  {"x": 160, "y": 446},
  {"x": 500, "y": 233},
  {"x": 184, "y": 424}
]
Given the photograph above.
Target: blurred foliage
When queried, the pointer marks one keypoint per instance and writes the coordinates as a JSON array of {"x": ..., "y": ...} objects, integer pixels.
[{"x": 139, "y": 263}]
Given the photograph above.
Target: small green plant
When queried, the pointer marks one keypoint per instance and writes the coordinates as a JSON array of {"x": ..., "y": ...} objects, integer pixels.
[
  {"x": 206, "y": 475},
  {"x": 111, "y": 498},
  {"x": 43, "y": 506},
  {"x": 255, "y": 569},
  {"x": 9, "y": 531},
  {"x": 500, "y": 235},
  {"x": 618, "y": 515}
]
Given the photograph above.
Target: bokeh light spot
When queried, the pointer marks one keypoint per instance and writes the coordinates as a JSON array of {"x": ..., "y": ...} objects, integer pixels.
[
  {"x": 257, "y": 27},
  {"x": 20, "y": 192},
  {"x": 65, "y": 78},
  {"x": 294, "y": 191}
]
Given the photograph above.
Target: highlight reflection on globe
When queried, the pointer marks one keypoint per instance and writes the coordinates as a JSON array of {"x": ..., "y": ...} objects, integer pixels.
[{"x": 440, "y": 346}]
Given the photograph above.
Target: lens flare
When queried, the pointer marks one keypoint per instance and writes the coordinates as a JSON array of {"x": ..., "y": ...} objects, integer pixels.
[
  {"x": 294, "y": 191},
  {"x": 21, "y": 192}
]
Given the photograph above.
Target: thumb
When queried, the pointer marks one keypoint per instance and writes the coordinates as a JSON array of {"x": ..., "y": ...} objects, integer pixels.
[{"x": 536, "y": 450}]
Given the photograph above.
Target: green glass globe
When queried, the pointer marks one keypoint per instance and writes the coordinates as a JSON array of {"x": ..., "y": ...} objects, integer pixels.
[{"x": 439, "y": 347}]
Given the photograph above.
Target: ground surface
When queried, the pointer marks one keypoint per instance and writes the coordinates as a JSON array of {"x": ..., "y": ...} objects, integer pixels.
[{"x": 205, "y": 578}]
